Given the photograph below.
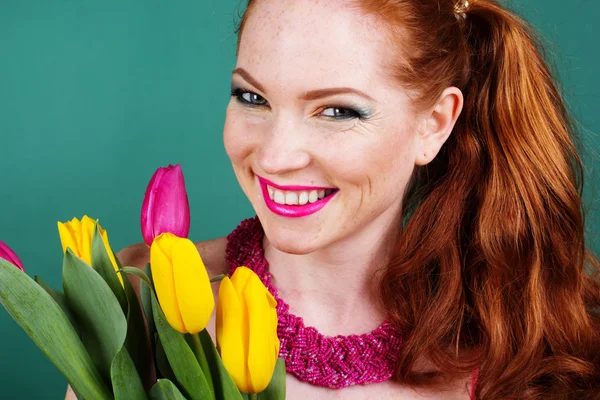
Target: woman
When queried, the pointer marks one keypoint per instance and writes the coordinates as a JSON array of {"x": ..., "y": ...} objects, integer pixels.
[{"x": 412, "y": 168}]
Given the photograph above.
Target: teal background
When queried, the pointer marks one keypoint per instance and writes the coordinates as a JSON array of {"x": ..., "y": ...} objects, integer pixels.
[{"x": 94, "y": 95}]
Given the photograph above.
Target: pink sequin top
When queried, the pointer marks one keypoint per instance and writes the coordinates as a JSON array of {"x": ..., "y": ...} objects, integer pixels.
[{"x": 329, "y": 361}]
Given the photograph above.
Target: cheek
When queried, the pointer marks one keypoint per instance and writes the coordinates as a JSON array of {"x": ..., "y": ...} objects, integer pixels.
[
  {"x": 238, "y": 139},
  {"x": 393, "y": 166},
  {"x": 397, "y": 159},
  {"x": 377, "y": 163},
  {"x": 239, "y": 146}
]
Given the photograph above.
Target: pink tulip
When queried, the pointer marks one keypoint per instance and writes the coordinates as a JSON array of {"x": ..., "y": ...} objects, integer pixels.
[
  {"x": 166, "y": 207},
  {"x": 10, "y": 256}
]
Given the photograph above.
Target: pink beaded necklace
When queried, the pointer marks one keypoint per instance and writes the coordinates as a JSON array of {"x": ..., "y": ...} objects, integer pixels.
[{"x": 328, "y": 361}]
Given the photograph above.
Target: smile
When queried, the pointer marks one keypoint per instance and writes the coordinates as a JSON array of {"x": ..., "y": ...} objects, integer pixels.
[{"x": 295, "y": 201}]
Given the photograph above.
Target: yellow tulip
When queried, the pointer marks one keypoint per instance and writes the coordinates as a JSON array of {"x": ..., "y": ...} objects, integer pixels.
[
  {"x": 247, "y": 330},
  {"x": 77, "y": 235},
  {"x": 181, "y": 283}
]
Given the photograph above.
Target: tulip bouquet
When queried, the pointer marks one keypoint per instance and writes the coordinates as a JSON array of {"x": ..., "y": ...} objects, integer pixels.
[{"x": 111, "y": 342}]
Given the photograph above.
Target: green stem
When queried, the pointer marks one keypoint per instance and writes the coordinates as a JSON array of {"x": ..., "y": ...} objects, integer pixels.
[
  {"x": 217, "y": 278},
  {"x": 193, "y": 341},
  {"x": 252, "y": 396}
]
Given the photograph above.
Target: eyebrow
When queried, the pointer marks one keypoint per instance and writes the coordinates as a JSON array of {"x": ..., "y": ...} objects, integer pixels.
[{"x": 308, "y": 95}]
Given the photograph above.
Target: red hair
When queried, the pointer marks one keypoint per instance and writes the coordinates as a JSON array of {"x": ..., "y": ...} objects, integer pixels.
[{"x": 491, "y": 270}]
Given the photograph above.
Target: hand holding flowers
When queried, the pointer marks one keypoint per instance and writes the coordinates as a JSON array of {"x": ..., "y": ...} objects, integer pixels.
[{"x": 95, "y": 331}]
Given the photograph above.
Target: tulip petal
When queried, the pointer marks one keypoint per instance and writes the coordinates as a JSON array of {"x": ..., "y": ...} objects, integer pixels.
[
  {"x": 67, "y": 239},
  {"x": 148, "y": 205},
  {"x": 86, "y": 234},
  {"x": 240, "y": 278},
  {"x": 275, "y": 322},
  {"x": 9, "y": 255},
  {"x": 232, "y": 334},
  {"x": 192, "y": 286},
  {"x": 162, "y": 273},
  {"x": 111, "y": 255},
  {"x": 74, "y": 227},
  {"x": 262, "y": 333},
  {"x": 171, "y": 210}
]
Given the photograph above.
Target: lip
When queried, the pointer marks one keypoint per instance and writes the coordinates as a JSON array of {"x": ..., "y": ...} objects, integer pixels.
[{"x": 296, "y": 211}]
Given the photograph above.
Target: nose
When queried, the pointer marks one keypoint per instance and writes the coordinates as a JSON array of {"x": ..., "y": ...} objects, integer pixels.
[{"x": 283, "y": 149}]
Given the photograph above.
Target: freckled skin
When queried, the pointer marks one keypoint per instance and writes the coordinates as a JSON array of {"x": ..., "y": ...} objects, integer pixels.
[
  {"x": 323, "y": 264},
  {"x": 290, "y": 48}
]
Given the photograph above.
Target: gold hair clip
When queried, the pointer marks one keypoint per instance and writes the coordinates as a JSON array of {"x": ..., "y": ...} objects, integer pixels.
[{"x": 461, "y": 7}]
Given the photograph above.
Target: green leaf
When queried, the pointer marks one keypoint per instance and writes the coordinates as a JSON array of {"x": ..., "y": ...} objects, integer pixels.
[
  {"x": 126, "y": 382},
  {"x": 181, "y": 358},
  {"x": 225, "y": 388},
  {"x": 61, "y": 300},
  {"x": 102, "y": 264},
  {"x": 193, "y": 340},
  {"x": 137, "y": 341},
  {"x": 98, "y": 310},
  {"x": 164, "y": 389},
  {"x": 146, "y": 300},
  {"x": 137, "y": 272},
  {"x": 163, "y": 364},
  {"x": 276, "y": 388},
  {"x": 50, "y": 329},
  {"x": 147, "y": 304}
]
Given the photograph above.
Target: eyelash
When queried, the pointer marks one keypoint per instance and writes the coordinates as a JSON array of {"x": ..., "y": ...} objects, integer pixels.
[{"x": 239, "y": 92}]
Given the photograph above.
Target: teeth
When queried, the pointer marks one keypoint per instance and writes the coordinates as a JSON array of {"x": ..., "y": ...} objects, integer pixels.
[
  {"x": 279, "y": 197},
  {"x": 302, "y": 197},
  {"x": 291, "y": 198}
]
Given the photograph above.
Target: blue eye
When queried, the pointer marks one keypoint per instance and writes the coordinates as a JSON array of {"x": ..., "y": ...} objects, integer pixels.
[
  {"x": 246, "y": 97},
  {"x": 252, "y": 99},
  {"x": 341, "y": 113}
]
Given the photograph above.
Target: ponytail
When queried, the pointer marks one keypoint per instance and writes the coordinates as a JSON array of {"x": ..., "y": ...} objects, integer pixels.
[{"x": 490, "y": 271}]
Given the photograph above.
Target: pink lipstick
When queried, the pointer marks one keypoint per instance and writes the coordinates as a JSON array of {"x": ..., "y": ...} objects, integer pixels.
[{"x": 294, "y": 211}]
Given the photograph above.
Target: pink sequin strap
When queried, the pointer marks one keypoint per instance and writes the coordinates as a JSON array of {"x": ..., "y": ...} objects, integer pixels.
[{"x": 333, "y": 362}]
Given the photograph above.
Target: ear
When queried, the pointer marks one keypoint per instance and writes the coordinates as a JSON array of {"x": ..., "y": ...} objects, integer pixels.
[{"x": 437, "y": 125}]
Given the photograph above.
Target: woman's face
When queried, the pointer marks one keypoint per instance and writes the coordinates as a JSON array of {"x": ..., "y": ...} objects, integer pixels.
[{"x": 314, "y": 110}]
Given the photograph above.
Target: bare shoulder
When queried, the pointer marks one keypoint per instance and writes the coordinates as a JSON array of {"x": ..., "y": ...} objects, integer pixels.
[
  {"x": 136, "y": 255},
  {"x": 212, "y": 252}
]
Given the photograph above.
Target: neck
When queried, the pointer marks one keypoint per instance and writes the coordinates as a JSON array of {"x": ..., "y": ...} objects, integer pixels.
[{"x": 335, "y": 289}]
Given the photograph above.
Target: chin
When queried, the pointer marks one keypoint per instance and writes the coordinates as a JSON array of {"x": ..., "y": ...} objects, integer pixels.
[
  {"x": 291, "y": 248},
  {"x": 286, "y": 237}
]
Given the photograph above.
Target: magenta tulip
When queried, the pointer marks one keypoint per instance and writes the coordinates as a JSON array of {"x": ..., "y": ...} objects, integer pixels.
[
  {"x": 10, "y": 256},
  {"x": 166, "y": 207}
]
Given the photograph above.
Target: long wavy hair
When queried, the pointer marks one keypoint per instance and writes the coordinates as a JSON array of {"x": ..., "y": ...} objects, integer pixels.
[{"x": 491, "y": 271}]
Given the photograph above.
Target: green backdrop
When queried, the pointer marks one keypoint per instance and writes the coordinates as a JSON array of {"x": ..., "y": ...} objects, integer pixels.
[{"x": 96, "y": 94}]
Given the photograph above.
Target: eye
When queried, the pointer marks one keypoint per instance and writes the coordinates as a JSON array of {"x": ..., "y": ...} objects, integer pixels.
[
  {"x": 341, "y": 113},
  {"x": 252, "y": 99},
  {"x": 247, "y": 97}
]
